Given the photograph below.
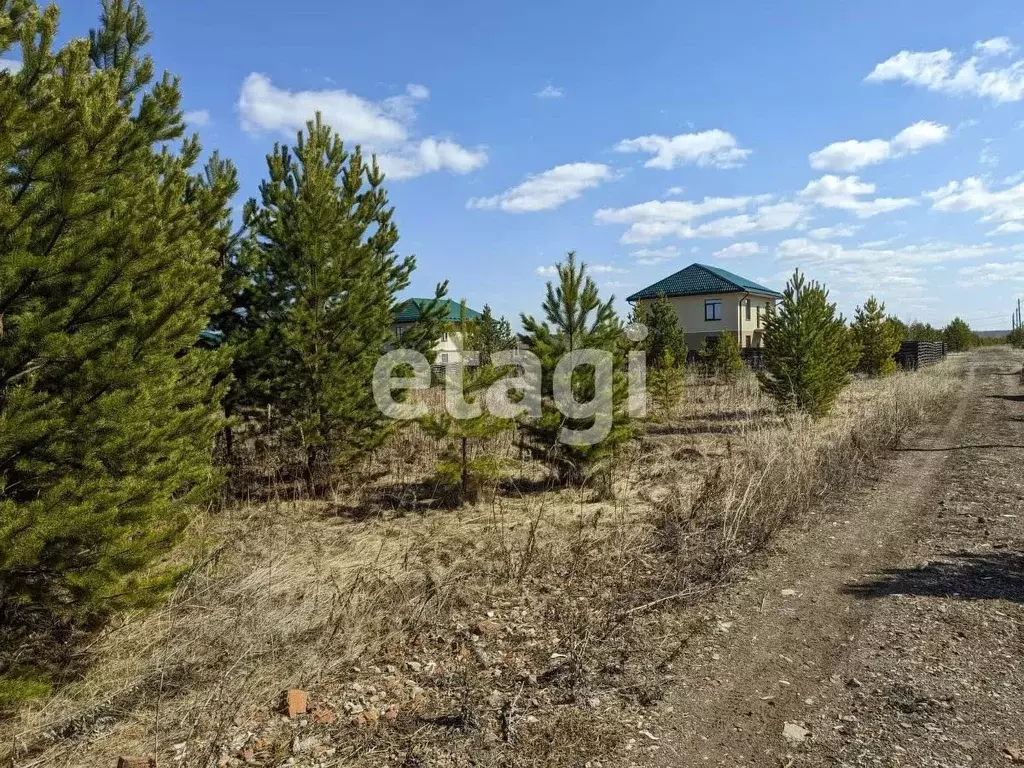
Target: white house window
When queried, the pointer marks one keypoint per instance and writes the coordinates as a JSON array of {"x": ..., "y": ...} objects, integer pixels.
[
  {"x": 444, "y": 336},
  {"x": 400, "y": 331},
  {"x": 712, "y": 310},
  {"x": 444, "y": 356},
  {"x": 748, "y": 312},
  {"x": 758, "y": 315}
]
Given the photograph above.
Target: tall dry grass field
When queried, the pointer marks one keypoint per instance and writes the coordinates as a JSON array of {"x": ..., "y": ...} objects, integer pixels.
[{"x": 521, "y": 631}]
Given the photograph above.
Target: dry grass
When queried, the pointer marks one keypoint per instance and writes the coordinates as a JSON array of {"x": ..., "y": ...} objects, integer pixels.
[{"x": 523, "y": 631}]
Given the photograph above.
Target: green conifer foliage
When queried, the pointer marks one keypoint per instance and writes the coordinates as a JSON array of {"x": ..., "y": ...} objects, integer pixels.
[
  {"x": 918, "y": 331},
  {"x": 575, "y": 318},
  {"x": 465, "y": 468},
  {"x": 666, "y": 385},
  {"x": 490, "y": 335},
  {"x": 664, "y": 334},
  {"x": 324, "y": 284},
  {"x": 958, "y": 335},
  {"x": 108, "y": 273},
  {"x": 722, "y": 357},
  {"x": 878, "y": 338},
  {"x": 808, "y": 349}
]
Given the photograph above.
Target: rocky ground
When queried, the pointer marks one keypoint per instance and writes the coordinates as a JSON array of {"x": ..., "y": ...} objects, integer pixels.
[{"x": 888, "y": 631}]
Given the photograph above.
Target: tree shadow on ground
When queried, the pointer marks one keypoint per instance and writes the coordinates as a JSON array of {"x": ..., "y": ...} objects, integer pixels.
[
  {"x": 985, "y": 446},
  {"x": 1010, "y": 398},
  {"x": 397, "y": 497},
  {"x": 963, "y": 576},
  {"x": 698, "y": 429}
]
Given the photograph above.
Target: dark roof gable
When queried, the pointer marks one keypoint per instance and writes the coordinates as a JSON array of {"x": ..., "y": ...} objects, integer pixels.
[
  {"x": 700, "y": 279},
  {"x": 411, "y": 310}
]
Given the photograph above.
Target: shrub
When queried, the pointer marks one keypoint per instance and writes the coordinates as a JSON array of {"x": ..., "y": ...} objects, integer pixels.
[{"x": 808, "y": 349}]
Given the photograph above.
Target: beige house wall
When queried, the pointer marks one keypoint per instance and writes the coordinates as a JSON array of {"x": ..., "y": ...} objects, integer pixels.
[
  {"x": 690, "y": 311},
  {"x": 447, "y": 347}
]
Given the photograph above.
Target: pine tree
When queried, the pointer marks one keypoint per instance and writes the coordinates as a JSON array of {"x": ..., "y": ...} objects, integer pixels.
[
  {"x": 722, "y": 356},
  {"x": 808, "y": 349},
  {"x": 918, "y": 331},
  {"x": 666, "y": 384},
  {"x": 490, "y": 335},
  {"x": 108, "y": 273},
  {"x": 878, "y": 338},
  {"x": 323, "y": 303},
  {"x": 958, "y": 335},
  {"x": 664, "y": 334},
  {"x": 576, "y": 319},
  {"x": 464, "y": 469}
]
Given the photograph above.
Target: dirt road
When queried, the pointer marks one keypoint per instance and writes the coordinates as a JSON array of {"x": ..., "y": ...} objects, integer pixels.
[{"x": 890, "y": 630}]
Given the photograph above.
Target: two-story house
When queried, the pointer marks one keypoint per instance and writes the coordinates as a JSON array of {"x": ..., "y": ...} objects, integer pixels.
[
  {"x": 710, "y": 301},
  {"x": 449, "y": 346}
]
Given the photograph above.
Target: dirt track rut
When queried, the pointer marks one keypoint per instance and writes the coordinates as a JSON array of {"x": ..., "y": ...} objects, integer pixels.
[{"x": 891, "y": 629}]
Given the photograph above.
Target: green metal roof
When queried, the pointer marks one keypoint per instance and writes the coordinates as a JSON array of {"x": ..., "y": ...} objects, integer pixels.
[
  {"x": 411, "y": 310},
  {"x": 699, "y": 279}
]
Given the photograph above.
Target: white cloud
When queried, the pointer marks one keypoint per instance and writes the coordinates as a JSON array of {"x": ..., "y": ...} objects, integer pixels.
[
  {"x": 418, "y": 92},
  {"x": 265, "y": 107},
  {"x": 1008, "y": 228},
  {"x": 384, "y": 127},
  {"x": 992, "y": 273},
  {"x": 431, "y": 155},
  {"x": 658, "y": 218},
  {"x": 997, "y": 46},
  {"x": 896, "y": 274},
  {"x": 715, "y": 148},
  {"x": 673, "y": 191},
  {"x": 737, "y": 250},
  {"x": 197, "y": 118},
  {"x": 606, "y": 269},
  {"x": 827, "y": 233},
  {"x": 853, "y": 154},
  {"x": 550, "y": 92},
  {"x": 942, "y": 71},
  {"x": 987, "y": 156},
  {"x": 847, "y": 193},
  {"x": 652, "y": 256},
  {"x": 10, "y": 65},
  {"x": 972, "y": 194},
  {"x": 549, "y": 271},
  {"x": 767, "y": 218},
  {"x": 547, "y": 190}
]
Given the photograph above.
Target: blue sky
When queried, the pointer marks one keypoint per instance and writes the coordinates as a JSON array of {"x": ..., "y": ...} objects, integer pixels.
[{"x": 878, "y": 146}]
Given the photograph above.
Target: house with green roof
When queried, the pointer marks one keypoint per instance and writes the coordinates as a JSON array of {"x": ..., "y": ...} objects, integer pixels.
[
  {"x": 710, "y": 301},
  {"x": 449, "y": 346}
]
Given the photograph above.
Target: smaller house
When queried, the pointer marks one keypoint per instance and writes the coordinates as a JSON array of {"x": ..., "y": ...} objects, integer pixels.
[
  {"x": 449, "y": 346},
  {"x": 710, "y": 301}
]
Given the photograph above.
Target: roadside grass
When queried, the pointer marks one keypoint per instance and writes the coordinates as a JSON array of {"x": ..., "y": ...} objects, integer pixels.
[{"x": 531, "y": 629}]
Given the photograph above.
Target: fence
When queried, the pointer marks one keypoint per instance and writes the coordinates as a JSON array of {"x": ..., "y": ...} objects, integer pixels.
[{"x": 913, "y": 354}]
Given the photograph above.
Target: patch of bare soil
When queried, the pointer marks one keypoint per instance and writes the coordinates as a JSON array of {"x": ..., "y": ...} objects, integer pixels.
[{"x": 890, "y": 630}]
